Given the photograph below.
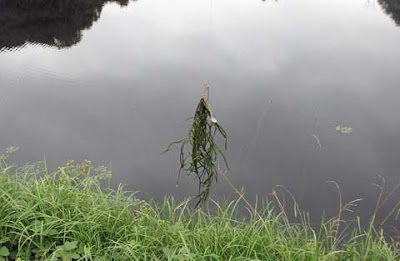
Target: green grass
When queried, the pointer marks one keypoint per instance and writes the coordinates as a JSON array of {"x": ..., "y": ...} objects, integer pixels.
[{"x": 66, "y": 215}]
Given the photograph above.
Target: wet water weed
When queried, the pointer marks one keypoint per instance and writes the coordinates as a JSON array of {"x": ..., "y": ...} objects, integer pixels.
[
  {"x": 66, "y": 215},
  {"x": 199, "y": 152}
]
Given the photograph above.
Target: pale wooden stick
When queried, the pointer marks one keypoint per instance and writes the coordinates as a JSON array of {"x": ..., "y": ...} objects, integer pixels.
[
  {"x": 206, "y": 96},
  {"x": 206, "y": 90}
]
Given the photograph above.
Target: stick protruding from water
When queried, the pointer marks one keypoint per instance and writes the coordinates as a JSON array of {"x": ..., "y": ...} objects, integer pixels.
[
  {"x": 206, "y": 96},
  {"x": 206, "y": 90}
]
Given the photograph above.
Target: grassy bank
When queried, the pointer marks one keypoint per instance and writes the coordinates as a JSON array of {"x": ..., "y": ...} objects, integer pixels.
[{"x": 66, "y": 216}]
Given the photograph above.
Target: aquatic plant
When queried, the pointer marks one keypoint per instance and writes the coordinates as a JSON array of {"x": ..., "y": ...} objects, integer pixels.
[
  {"x": 199, "y": 152},
  {"x": 344, "y": 129}
]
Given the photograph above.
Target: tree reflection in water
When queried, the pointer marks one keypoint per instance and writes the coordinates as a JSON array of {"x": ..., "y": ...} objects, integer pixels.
[
  {"x": 59, "y": 23},
  {"x": 392, "y": 9},
  {"x": 55, "y": 23}
]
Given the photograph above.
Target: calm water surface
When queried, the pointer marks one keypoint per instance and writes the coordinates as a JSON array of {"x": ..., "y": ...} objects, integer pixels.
[{"x": 113, "y": 82}]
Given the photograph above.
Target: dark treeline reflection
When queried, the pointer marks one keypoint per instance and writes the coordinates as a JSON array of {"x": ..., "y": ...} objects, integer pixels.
[
  {"x": 57, "y": 23},
  {"x": 391, "y": 8}
]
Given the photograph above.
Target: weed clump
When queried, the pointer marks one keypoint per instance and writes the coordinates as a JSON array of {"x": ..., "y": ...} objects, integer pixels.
[{"x": 199, "y": 152}]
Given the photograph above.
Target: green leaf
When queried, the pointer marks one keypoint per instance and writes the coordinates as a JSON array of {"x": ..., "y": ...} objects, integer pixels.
[
  {"x": 4, "y": 251},
  {"x": 75, "y": 256},
  {"x": 70, "y": 245}
]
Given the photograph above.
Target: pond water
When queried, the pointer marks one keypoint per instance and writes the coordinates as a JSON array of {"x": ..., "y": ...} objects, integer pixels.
[{"x": 114, "y": 81}]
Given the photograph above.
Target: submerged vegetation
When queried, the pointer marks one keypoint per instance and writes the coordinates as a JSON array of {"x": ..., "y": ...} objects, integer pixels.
[{"x": 67, "y": 215}]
